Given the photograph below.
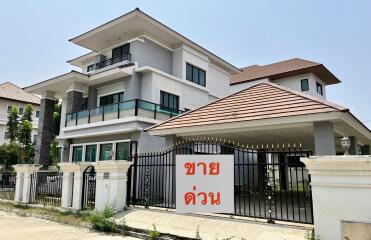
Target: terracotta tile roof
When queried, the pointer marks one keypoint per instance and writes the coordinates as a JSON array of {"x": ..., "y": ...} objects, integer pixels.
[
  {"x": 10, "y": 91},
  {"x": 262, "y": 101},
  {"x": 286, "y": 68}
]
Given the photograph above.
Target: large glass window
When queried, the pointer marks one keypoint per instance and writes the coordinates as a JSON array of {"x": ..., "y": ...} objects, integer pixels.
[
  {"x": 169, "y": 102},
  {"x": 304, "y": 85},
  {"x": 84, "y": 103},
  {"x": 90, "y": 153},
  {"x": 111, "y": 99},
  {"x": 195, "y": 74},
  {"x": 77, "y": 153},
  {"x": 118, "y": 52},
  {"x": 105, "y": 152},
  {"x": 122, "y": 151}
]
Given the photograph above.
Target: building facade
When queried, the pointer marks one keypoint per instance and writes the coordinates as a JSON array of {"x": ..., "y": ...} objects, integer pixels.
[
  {"x": 139, "y": 73},
  {"x": 14, "y": 96}
]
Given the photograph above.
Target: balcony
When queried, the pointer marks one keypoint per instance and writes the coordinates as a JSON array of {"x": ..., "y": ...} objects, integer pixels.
[
  {"x": 131, "y": 108},
  {"x": 112, "y": 61}
]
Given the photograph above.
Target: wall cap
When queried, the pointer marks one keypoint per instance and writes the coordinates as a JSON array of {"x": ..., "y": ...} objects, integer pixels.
[
  {"x": 112, "y": 166},
  {"x": 74, "y": 166},
  {"x": 27, "y": 168}
]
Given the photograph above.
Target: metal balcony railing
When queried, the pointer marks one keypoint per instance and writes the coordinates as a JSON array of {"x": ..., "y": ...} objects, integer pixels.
[
  {"x": 111, "y": 61},
  {"x": 131, "y": 108}
]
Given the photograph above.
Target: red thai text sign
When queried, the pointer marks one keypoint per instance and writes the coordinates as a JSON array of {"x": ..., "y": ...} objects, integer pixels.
[{"x": 204, "y": 183}]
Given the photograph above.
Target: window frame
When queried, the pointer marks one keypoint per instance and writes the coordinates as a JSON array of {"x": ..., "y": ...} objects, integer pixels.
[
  {"x": 195, "y": 71},
  {"x": 319, "y": 86},
  {"x": 307, "y": 85},
  {"x": 170, "y": 97},
  {"x": 90, "y": 68},
  {"x": 118, "y": 93},
  {"x": 37, "y": 113},
  {"x": 82, "y": 152}
]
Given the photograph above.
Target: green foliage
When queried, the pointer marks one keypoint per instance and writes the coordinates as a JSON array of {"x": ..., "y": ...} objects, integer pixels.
[
  {"x": 27, "y": 115},
  {"x": 13, "y": 124},
  {"x": 54, "y": 152},
  {"x": 8, "y": 155},
  {"x": 153, "y": 234},
  {"x": 102, "y": 221},
  {"x": 310, "y": 235},
  {"x": 57, "y": 119},
  {"x": 197, "y": 234}
]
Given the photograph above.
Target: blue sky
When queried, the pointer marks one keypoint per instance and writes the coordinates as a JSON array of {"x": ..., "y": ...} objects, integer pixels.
[{"x": 34, "y": 36}]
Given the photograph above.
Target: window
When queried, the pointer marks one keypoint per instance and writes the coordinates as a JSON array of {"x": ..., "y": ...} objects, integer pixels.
[
  {"x": 195, "y": 74},
  {"x": 111, "y": 99},
  {"x": 84, "y": 104},
  {"x": 37, "y": 114},
  {"x": 90, "y": 68},
  {"x": 20, "y": 111},
  {"x": 91, "y": 153},
  {"x": 169, "y": 102},
  {"x": 122, "y": 151},
  {"x": 105, "y": 152},
  {"x": 77, "y": 153},
  {"x": 117, "y": 53},
  {"x": 34, "y": 138},
  {"x": 9, "y": 109},
  {"x": 6, "y": 135},
  {"x": 319, "y": 88},
  {"x": 304, "y": 85}
]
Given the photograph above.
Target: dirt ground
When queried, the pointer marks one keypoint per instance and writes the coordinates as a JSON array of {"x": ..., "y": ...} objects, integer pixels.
[{"x": 27, "y": 228}]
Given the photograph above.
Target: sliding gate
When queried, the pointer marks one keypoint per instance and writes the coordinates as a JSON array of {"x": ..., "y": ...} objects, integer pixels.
[{"x": 270, "y": 181}]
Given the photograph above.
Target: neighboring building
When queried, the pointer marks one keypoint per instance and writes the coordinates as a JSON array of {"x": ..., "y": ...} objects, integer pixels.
[
  {"x": 267, "y": 113},
  {"x": 14, "y": 96},
  {"x": 139, "y": 73},
  {"x": 298, "y": 74}
]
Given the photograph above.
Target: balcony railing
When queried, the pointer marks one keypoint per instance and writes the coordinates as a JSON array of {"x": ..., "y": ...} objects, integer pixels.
[
  {"x": 119, "y": 110},
  {"x": 111, "y": 61}
]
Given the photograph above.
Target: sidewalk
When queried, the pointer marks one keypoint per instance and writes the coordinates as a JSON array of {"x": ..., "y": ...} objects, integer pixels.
[{"x": 210, "y": 227}]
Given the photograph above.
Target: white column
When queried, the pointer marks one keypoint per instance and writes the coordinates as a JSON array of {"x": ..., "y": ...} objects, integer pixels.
[
  {"x": 111, "y": 184},
  {"x": 19, "y": 187},
  {"x": 341, "y": 190},
  {"x": 23, "y": 183},
  {"x": 324, "y": 139},
  {"x": 72, "y": 184}
]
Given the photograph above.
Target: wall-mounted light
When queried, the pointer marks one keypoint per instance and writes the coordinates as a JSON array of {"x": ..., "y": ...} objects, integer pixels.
[{"x": 345, "y": 143}]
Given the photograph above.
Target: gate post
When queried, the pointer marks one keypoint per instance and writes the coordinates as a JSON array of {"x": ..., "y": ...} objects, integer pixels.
[
  {"x": 72, "y": 184},
  {"x": 111, "y": 187},
  {"x": 23, "y": 182}
]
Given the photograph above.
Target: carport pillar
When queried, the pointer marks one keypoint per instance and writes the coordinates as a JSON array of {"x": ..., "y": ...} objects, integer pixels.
[
  {"x": 45, "y": 130},
  {"x": 111, "y": 184},
  {"x": 353, "y": 150},
  {"x": 23, "y": 182},
  {"x": 324, "y": 139}
]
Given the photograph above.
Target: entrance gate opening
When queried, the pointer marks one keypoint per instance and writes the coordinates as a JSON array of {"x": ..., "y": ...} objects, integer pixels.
[{"x": 88, "y": 188}]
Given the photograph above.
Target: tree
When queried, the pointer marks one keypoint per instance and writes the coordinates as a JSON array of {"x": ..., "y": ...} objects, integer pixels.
[
  {"x": 27, "y": 115},
  {"x": 25, "y": 134},
  {"x": 13, "y": 124},
  {"x": 56, "y": 127}
]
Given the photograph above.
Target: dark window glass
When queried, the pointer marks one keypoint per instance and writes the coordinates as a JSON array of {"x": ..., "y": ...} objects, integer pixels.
[
  {"x": 169, "y": 102},
  {"x": 111, "y": 99},
  {"x": 122, "y": 151},
  {"x": 90, "y": 68},
  {"x": 77, "y": 154},
  {"x": 84, "y": 104},
  {"x": 37, "y": 114},
  {"x": 6, "y": 135},
  {"x": 118, "y": 52},
  {"x": 319, "y": 88},
  {"x": 195, "y": 74},
  {"x": 90, "y": 154},
  {"x": 21, "y": 111},
  {"x": 304, "y": 85},
  {"x": 105, "y": 152},
  {"x": 9, "y": 109}
]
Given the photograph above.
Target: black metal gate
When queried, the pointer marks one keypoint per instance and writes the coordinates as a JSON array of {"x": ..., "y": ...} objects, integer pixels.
[
  {"x": 270, "y": 181},
  {"x": 46, "y": 188},
  {"x": 7, "y": 185},
  {"x": 88, "y": 188}
]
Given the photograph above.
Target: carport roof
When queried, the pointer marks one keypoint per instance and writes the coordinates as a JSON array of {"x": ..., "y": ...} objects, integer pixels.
[{"x": 260, "y": 102}]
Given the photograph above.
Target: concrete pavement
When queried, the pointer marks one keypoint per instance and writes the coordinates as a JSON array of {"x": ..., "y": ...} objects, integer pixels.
[{"x": 28, "y": 228}]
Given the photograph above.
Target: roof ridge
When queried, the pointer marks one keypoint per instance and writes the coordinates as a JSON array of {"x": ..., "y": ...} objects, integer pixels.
[{"x": 307, "y": 96}]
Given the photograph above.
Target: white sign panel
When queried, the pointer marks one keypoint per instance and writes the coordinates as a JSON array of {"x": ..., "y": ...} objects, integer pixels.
[{"x": 205, "y": 183}]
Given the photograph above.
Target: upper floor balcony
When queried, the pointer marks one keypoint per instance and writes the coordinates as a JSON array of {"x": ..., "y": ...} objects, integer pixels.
[
  {"x": 121, "y": 110},
  {"x": 121, "y": 59}
]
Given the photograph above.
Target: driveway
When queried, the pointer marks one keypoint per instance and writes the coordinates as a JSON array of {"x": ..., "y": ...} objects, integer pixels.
[{"x": 28, "y": 228}]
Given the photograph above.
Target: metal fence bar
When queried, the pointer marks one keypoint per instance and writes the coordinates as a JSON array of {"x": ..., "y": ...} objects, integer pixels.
[
  {"x": 7, "y": 185},
  {"x": 46, "y": 188}
]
